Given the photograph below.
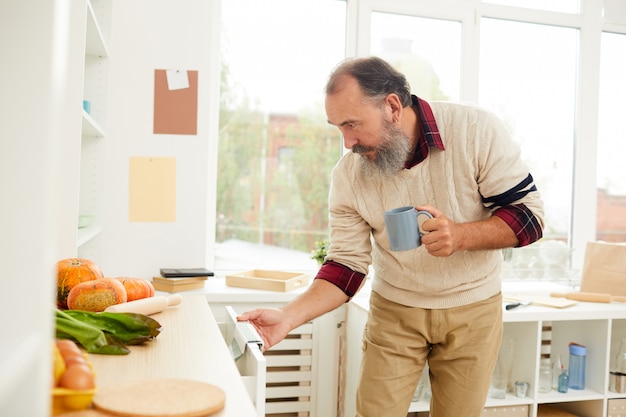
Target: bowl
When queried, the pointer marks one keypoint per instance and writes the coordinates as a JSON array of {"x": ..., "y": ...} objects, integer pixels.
[{"x": 66, "y": 400}]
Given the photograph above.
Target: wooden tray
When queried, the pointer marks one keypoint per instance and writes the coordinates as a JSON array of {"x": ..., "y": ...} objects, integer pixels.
[{"x": 262, "y": 279}]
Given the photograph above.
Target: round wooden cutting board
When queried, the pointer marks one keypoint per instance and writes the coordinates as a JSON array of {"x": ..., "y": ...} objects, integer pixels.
[{"x": 160, "y": 397}]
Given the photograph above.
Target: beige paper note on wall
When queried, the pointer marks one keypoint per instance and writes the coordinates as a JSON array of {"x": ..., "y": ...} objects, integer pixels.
[{"x": 152, "y": 189}]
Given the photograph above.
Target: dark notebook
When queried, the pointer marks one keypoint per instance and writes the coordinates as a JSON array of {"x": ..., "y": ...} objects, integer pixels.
[{"x": 185, "y": 272}]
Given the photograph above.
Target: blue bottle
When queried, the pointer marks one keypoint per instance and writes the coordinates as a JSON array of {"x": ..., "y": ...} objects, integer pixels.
[
  {"x": 563, "y": 381},
  {"x": 577, "y": 359}
]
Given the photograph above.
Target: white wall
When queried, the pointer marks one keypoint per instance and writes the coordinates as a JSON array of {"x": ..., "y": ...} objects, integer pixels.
[
  {"x": 148, "y": 35},
  {"x": 41, "y": 45}
]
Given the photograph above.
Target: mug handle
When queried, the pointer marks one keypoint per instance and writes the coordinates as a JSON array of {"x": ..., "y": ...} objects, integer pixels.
[{"x": 419, "y": 224}]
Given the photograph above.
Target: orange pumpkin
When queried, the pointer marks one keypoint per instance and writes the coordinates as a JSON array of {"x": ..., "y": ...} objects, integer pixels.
[
  {"x": 137, "y": 288},
  {"x": 71, "y": 272},
  {"x": 96, "y": 295}
]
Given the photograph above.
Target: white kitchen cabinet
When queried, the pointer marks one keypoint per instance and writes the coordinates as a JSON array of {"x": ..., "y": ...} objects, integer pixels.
[
  {"x": 93, "y": 132},
  {"x": 42, "y": 45},
  {"x": 303, "y": 370},
  {"x": 536, "y": 330}
]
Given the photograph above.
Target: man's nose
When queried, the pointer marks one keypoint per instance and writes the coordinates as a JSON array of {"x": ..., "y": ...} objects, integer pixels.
[{"x": 349, "y": 140}]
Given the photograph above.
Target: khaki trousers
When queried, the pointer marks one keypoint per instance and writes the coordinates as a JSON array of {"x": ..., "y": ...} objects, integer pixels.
[{"x": 461, "y": 345}]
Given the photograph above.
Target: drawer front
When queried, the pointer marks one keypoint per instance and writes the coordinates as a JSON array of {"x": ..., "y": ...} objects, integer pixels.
[
  {"x": 616, "y": 407},
  {"x": 508, "y": 411}
]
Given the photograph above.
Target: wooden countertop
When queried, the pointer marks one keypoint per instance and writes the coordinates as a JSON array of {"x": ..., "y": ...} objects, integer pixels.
[
  {"x": 216, "y": 291},
  {"x": 190, "y": 346}
]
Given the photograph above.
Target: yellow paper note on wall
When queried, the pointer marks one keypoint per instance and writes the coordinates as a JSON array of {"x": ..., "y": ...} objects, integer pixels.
[{"x": 152, "y": 189}]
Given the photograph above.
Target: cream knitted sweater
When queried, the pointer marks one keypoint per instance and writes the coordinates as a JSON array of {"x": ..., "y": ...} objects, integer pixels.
[{"x": 480, "y": 160}]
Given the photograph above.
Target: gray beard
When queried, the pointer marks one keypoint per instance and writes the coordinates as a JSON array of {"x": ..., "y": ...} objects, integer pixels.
[{"x": 391, "y": 155}]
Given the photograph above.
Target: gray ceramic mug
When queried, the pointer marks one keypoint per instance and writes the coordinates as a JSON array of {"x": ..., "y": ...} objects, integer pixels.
[{"x": 403, "y": 229}]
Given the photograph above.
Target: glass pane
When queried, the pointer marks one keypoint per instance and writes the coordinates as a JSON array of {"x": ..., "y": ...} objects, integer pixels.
[
  {"x": 611, "y": 219},
  {"x": 614, "y": 11},
  {"x": 276, "y": 149},
  {"x": 531, "y": 84},
  {"x": 563, "y": 6},
  {"x": 432, "y": 67}
]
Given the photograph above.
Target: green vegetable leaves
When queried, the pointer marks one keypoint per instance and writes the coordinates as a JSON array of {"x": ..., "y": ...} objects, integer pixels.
[{"x": 106, "y": 333}]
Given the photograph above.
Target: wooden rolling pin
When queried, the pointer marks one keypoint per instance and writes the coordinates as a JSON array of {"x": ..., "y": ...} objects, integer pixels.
[
  {"x": 146, "y": 306},
  {"x": 590, "y": 297}
]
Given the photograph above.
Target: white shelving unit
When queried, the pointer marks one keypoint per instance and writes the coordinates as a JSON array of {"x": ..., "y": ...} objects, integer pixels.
[
  {"x": 40, "y": 156},
  {"x": 598, "y": 326},
  {"x": 93, "y": 149}
]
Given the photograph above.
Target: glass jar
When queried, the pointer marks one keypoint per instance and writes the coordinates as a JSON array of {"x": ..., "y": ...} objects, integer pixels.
[
  {"x": 556, "y": 371},
  {"x": 545, "y": 376}
]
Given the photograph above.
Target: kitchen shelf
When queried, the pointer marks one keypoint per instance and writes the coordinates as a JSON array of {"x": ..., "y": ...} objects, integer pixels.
[
  {"x": 87, "y": 234},
  {"x": 92, "y": 152},
  {"x": 91, "y": 128},
  {"x": 95, "y": 42}
]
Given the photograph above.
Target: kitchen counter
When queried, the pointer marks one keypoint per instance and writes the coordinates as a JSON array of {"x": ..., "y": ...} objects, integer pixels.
[
  {"x": 216, "y": 290},
  {"x": 579, "y": 311},
  {"x": 190, "y": 346}
]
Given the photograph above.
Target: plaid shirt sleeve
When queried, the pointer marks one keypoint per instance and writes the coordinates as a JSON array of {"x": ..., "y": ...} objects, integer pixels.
[
  {"x": 522, "y": 221},
  {"x": 344, "y": 278}
]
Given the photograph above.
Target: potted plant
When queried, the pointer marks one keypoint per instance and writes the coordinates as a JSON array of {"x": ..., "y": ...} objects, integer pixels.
[{"x": 320, "y": 251}]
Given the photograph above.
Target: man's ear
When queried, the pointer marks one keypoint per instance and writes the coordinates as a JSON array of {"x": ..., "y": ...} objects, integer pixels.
[{"x": 395, "y": 106}]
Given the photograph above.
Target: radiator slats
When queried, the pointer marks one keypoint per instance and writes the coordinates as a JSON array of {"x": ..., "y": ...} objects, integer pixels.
[
  {"x": 293, "y": 344},
  {"x": 288, "y": 392},
  {"x": 287, "y": 407},
  {"x": 288, "y": 382},
  {"x": 288, "y": 360},
  {"x": 296, "y": 376}
]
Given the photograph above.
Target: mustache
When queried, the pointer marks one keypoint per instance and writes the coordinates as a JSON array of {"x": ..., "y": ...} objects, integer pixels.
[{"x": 361, "y": 149}]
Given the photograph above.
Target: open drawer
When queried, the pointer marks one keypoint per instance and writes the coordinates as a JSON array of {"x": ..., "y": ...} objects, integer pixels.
[{"x": 246, "y": 347}]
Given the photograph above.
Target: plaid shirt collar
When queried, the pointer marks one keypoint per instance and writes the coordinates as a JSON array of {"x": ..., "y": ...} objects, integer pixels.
[{"x": 429, "y": 134}]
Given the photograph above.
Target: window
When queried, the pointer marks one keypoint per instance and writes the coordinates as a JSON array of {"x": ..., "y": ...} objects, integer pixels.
[
  {"x": 276, "y": 149},
  {"x": 611, "y": 175},
  {"x": 533, "y": 62},
  {"x": 432, "y": 68},
  {"x": 531, "y": 83},
  {"x": 564, "y": 6}
]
